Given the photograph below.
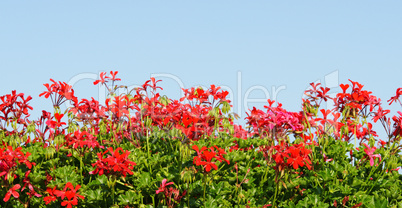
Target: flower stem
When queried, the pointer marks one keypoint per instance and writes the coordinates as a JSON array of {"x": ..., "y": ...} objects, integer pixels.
[
  {"x": 205, "y": 185},
  {"x": 276, "y": 192}
]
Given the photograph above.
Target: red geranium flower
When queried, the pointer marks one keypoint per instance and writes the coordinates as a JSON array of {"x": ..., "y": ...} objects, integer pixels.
[{"x": 12, "y": 191}]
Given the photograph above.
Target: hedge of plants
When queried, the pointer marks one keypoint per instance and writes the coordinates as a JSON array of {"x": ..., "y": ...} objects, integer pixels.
[{"x": 142, "y": 149}]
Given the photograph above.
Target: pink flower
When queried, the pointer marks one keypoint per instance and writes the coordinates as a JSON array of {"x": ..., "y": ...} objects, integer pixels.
[
  {"x": 163, "y": 186},
  {"x": 369, "y": 151}
]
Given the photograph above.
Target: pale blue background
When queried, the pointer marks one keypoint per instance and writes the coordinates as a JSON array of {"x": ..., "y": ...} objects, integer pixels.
[{"x": 272, "y": 43}]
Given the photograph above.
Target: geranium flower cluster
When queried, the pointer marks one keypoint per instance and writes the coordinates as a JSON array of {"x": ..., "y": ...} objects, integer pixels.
[
  {"x": 294, "y": 156},
  {"x": 357, "y": 101},
  {"x": 276, "y": 122},
  {"x": 59, "y": 93},
  {"x": 14, "y": 107},
  {"x": 88, "y": 111},
  {"x": 114, "y": 164},
  {"x": 200, "y": 115},
  {"x": 10, "y": 160},
  {"x": 82, "y": 139},
  {"x": 206, "y": 155},
  {"x": 68, "y": 196}
]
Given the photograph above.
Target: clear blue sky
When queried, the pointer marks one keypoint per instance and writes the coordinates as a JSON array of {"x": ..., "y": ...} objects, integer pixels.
[{"x": 271, "y": 43}]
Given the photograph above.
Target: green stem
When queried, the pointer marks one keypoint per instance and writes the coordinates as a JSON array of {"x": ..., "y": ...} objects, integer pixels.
[
  {"x": 153, "y": 200},
  {"x": 112, "y": 184},
  {"x": 188, "y": 196},
  {"x": 81, "y": 167},
  {"x": 276, "y": 192},
  {"x": 238, "y": 198},
  {"x": 266, "y": 173},
  {"x": 205, "y": 185},
  {"x": 149, "y": 154},
  {"x": 126, "y": 185}
]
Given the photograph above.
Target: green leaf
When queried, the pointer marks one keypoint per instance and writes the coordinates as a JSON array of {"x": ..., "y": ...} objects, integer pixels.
[
  {"x": 380, "y": 203},
  {"x": 144, "y": 180}
]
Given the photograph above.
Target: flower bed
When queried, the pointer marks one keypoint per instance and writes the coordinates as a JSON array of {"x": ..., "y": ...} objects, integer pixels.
[{"x": 141, "y": 149}]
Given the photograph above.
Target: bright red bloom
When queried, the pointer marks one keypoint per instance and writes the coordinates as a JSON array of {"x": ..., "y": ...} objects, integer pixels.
[
  {"x": 382, "y": 142},
  {"x": 69, "y": 195},
  {"x": 89, "y": 112},
  {"x": 10, "y": 159},
  {"x": 120, "y": 106},
  {"x": 52, "y": 195},
  {"x": 205, "y": 155},
  {"x": 291, "y": 156},
  {"x": 49, "y": 88},
  {"x": 102, "y": 78},
  {"x": 220, "y": 154},
  {"x": 12, "y": 191},
  {"x": 299, "y": 156},
  {"x": 114, "y": 164},
  {"x": 113, "y": 77},
  {"x": 396, "y": 97},
  {"x": 57, "y": 123},
  {"x": 82, "y": 139},
  {"x": 208, "y": 156},
  {"x": 275, "y": 122},
  {"x": 344, "y": 87},
  {"x": 59, "y": 92},
  {"x": 14, "y": 107},
  {"x": 357, "y": 100},
  {"x": 380, "y": 114},
  {"x": 68, "y": 203}
]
